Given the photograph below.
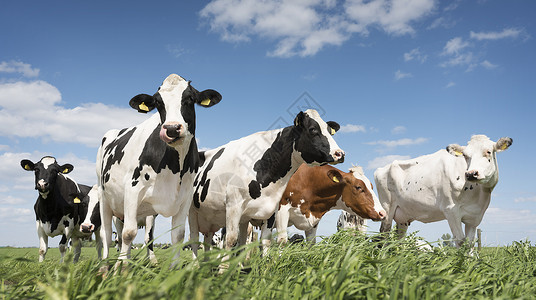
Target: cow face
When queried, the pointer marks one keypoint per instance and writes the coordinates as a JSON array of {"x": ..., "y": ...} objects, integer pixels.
[
  {"x": 315, "y": 141},
  {"x": 357, "y": 193},
  {"x": 46, "y": 172},
  {"x": 175, "y": 101},
  {"x": 480, "y": 155}
]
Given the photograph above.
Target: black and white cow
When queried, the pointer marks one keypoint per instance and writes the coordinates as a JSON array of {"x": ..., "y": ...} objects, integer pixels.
[
  {"x": 61, "y": 206},
  {"x": 142, "y": 170},
  {"x": 243, "y": 181}
]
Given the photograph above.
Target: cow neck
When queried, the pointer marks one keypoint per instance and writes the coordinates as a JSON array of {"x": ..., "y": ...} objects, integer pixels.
[
  {"x": 279, "y": 160},
  {"x": 325, "y": 198}
]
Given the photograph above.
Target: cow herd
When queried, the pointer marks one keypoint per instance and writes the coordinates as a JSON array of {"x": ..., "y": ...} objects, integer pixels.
[{"x": 276, "y": 178}]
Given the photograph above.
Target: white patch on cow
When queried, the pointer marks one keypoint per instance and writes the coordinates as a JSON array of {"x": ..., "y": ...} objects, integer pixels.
[
  {"x": 47, "y": 227},
  {"x": 302, "y": 201},
  {"x": 291, "y": 193},
  {"x": 48, "y": 161},
  {"x": 358, "y": 173}
]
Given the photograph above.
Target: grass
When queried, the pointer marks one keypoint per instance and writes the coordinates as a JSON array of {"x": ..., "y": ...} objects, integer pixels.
[{"x": 343, "y": 266}]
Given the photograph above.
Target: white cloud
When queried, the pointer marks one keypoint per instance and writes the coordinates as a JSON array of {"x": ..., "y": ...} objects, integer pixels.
[
  {"x": 385, "y": 160},
  {"x": 454, "y": 46},
  {"x": 415, "y": 54},
  {"x": 450, "y": 84},
  {"x": 305, "y": 27},
  {"x": 400, "y": 142},
  {"x": 348, "y": 128},
  {"x": 495, "y": 215},
  {"x": 400, "y": 75},
  {"x": 15, "y": 214},
  {"x": 486, "y": 64},
  {"x": 35, "y": 110},
  {"x": 398, "y": 130},
  {"x": 525, "y": 199},
  {"x": 18, "y": 67},
  {"x": 494, "y": 35}
]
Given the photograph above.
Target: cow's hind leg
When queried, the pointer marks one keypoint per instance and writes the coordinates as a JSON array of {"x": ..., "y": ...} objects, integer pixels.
[
  {"x": 106, "y": 226},
  {"x": 77, "y": 245},
  {"x": 149, "y": 238},
  {"x": 63, "y": 246}
]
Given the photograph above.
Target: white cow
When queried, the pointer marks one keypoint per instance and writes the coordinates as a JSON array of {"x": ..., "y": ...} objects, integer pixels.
[
  {"x": 149, "y": 169},
  {"x": 453, "y": 184},
  {"x": 243, "y": 181},
  {"x": 351, "y": 221}
]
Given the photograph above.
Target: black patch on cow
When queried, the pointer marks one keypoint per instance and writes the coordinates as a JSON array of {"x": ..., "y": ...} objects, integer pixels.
[
  {"x": 458, "y": 178},
  {"x": 275, "y": 162},
  {"x": 66, "y": 223},
  {"x": 465, "y": 189},
  {"x": 147, "y": 177},
  {"x": 122, "y": 131},
  {"x": 114, "y": 153},
  {"x": 157, "y": 155},
  {"x": 201, "y": 182},
  {"x": 471, "y": 187},
  {"x": 254, "y": 189},
  {"x": 192, "y": 160}
]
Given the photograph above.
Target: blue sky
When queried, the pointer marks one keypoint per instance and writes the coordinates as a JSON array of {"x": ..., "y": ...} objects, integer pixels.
[{"x": 403, "y": 78}]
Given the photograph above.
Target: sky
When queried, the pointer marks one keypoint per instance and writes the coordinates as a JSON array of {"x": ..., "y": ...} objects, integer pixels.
[{"x": 403, "y": 78}]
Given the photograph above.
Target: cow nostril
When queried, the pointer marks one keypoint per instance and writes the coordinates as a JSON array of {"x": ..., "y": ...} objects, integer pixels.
[{"x": 382, "y": 213}]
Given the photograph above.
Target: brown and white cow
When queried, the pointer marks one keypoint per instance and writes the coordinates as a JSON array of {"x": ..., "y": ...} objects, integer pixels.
[{"x": 313, "y": 191}]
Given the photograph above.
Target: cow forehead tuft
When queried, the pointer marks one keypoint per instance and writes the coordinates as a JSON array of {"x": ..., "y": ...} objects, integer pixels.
[
  {"x": 171, "y": 82},
  {"x": 48, "y": 161}
]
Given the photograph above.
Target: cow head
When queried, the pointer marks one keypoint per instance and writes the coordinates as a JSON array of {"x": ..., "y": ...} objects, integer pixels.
[
  {"x": 46, "y": 172},
  {"x": 357, "y": 193},
  {"x": 314, "y": 139},
  {"x": 175, "y": 101},
  {"x": 480, "y": 155}
]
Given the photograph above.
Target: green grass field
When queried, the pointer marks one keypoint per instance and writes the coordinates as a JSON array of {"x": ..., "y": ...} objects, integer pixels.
[{"x": 344, "y": 266}]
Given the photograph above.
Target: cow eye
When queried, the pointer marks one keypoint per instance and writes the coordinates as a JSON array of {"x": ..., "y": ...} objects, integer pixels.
[{"x": 313, "y": 131}]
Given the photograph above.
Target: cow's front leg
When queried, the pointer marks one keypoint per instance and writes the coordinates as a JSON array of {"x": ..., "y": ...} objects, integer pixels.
[
  {"x": 149, "y": 238},
  {"x": 106, "y": 226},
  {"x": 266, "y": 238},
  {"x": 98, "y": 242},
  {"x": 77, "y": 245},
  {"x": 193, "y": 222},
  {"x": 455, "y": 225},
  {"x": 177, "y": 233},
  {"x": 63, "y": 246},
  {"x": 281, "y": 223},
  {"x": 43, "y": 242},
  {"x": 243, "y": 233},
  {"x": 310, "y": 235},
  {"x": 130, "y": 230}
]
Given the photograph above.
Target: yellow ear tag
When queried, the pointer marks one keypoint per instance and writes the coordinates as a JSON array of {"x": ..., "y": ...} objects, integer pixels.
[
  {"x": 205, "y": 102},
  {"x": 504, "y": 146},
  {"x": 27, "y": 167},
  {"x": 332, "y": 131},
  {"x": 76, "y": 200},
  {"x": 143, "y": 107},
  {"x": 65, "y": 171},
  {"x": 458, "y": 153},
  {"x": 335, "y": 179}
]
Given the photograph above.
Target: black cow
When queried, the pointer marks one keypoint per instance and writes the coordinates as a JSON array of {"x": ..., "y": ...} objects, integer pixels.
[{"x": 61, "y": 206}]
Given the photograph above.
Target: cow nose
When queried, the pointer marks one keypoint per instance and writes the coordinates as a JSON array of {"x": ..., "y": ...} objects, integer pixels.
[
  {"x": 173, "y": 130},
  {"x": 471, "y": 175},
  {"x": 339, "y": 156},
  {"x": 42, "y": 185},
  {"x": 382, "y": 214},
  {"x": 85, "y": 228}
]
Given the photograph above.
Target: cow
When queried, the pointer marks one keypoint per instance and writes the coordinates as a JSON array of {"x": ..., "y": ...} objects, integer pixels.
[
  {"x": 347, "y": 220},
  {"x": 453, "y": 184},
  {"x": 313, "y": 191},
  {"x": 148, "y": 169},
  {"x": 147, "y": 222},
  {"x": 243, "y": 181},
  {"x": 61, "y": 206}
]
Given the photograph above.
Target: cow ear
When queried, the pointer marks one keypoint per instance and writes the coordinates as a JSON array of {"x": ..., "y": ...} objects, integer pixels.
[
  {"x": 27, "y": 165},
  {"x": 503, "y": 144},
  {"x": 66, "y": 168},
  {"x": 335, "y": 176},
  {"x": 298, "y": 121},
  {"x": 143, "y": 103},
  {"x": 333, "y": 127},
  {"x": 208, "y": 98},
  {"x": 455, "y": 149}
]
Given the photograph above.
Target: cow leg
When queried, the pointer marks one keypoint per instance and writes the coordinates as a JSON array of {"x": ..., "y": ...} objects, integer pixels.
[
  {"x": 266, "y": 238},
  {"x": 98, "y": 242},
  {"x": 281, "y": 224},
  {"x": 243, "y": 233},
  {"x": 119, "y": 233},
  {"x": 63, "y": 246},
  {"x": 456, "y": 227},
  {"x": 149, "y": 238},
  {"x": 177, "y": 232},
  {"x": 130, "y": 230},
  {"x": 401, "y": 229},
  {"x": 43, "y": 242},
  {"x": 470, "y": 232},
  {"x": 106, "y": 226},
  {"x": 194, "y": 231},
  {"x": 310, "y": 235},
  {"x": 77, "y": 245}
]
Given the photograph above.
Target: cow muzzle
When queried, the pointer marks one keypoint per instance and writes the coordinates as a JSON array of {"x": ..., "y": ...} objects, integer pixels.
[
  {"x": 42, "y": 186},
  {"x": 338, "y": 156},
  {"x": 471, "y": 175},
  {"x": 87, "y": 228},
  {"x": 171, "y": 132}
]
